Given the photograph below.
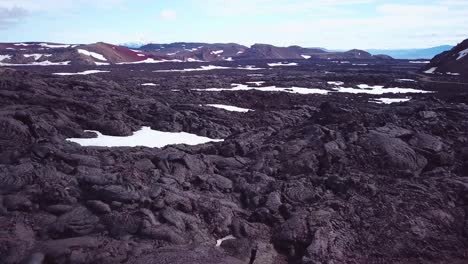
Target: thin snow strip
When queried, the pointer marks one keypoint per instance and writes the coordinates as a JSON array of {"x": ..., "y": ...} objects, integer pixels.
[
  {"x": 378, "y": 89},
  {"x": 452, "y": 73},
  {"x": 149, "y": 84},
  {"x": 306, "y": 56},
  {"x": 79, "y": 73},
  {"x": 194, "y": 60},
  {"x": 257, "y": 83},
  {"x": 242, "y": 87},
  {"x": 337, "y": 83},
  {"x": 54, "y": 46},
  {"x": 419, "y": 62},
  {"x": 92, "y": 54},
  {"x": 406, "y": 80},
  {"x": 101, "y": 63},
  {"x": 42, "y": 63},
  {"x": 390, "y": 100},
  {"x": 146, "y": 137},
  {"x": 220, "y": 241},
  {"x": 211, "y": 67},
  {"x": 431, "y": 70},
  {"x": 277, "y": 64},
  {"x": 230, "y": 108},
  {"x": 462, "y": 54},
  {"x": 149, "y": 60}
]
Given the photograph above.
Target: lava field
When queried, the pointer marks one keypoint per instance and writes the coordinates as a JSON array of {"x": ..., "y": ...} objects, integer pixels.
[{"x": 332, "y": 176}]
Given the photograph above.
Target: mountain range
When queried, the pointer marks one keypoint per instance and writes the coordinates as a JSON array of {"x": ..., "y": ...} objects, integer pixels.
[
  {"x": 410, "y": 54},
  {"x": 44, "y": 53}
]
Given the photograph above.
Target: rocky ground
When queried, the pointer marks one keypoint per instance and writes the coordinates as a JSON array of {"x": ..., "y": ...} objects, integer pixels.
[{"x": 302, "y": 179}]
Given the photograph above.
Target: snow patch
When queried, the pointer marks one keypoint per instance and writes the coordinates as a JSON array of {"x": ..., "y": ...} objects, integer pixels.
[
  {"x": 4, "y": 57},
  {"x": 36, "y": 56},
  {"x": 230, "y": 108},
  {"x": 149, "y": 60},
  {"x": 228, "y": 59},
  {"x": 211, "y": 67},
  {"x": 79, "y": 73},
  {"x": 242, "y": 87},
  {"x": 149, "y": 84},
  {"x": 194, "y": 60},
  {"x": 306, "y": 56},
  {"x": 406, "y": 80},
  {"x": 217, "y": 52},
  {"x": 377, "y": 89},
  {"x": 277, "y": 64},
  {"x": 92, "y": 54},
  {"x": 431, "y": 70},
  {"x": 54, "y": 46},
  {"x": 101, "y": 63},
  {"x": 220, "y": 241},
  {"x": 337, "y": 83},
  {"x": 257, "y": 83},
  {"x": 452, "y": 73},
  {"x": 146, "y": 137},
  {"x": 419, "y": 62},
  {"x": 389, "y": 100},
  {"x": 462, "y": 54}
]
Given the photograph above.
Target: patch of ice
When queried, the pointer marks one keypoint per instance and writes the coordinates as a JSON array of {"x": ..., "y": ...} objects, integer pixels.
[
  {"x": 4, "y": 57},
  {"x": 431, "y": 70},
  {"x": 377, "y": 89},
  {"x": 79, "y": 73},
  {"x": 92, "y": 54},
  {"x": 149, "y": 60},
  {"x": 149, "y": 84},
  {"x": 230, "y": 108},
  {"x": 42, "y": 63},
  {"x": 277, "y": 64},
  {"x": 338, "y": 83},
  {"x": 217, "y": 52},
  {"x": 257, "y": 83},
  {"x": 145, "y": 137},
  {"x": 36, "y": 56},
  {"x": 220, "y": 241},
  {"x": 306, "y": 56},
  {"x": 54, "y": 46},
  {"x": 462, "y": 54},
  {"x": 389, "y": 100}
]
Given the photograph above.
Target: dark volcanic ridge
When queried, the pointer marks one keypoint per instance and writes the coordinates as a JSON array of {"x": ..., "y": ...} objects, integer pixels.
[
  {"x": 301, "y": 178},
  {"x": 452, "y": 62},
  {"x": 46, "y": 54}
]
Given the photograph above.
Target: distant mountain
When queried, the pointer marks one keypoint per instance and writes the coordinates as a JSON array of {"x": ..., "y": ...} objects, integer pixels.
[
  {"x": 410, "y": 54},
  {"x": 43, "y": 53},
  {"x": 452, "y": 62}
]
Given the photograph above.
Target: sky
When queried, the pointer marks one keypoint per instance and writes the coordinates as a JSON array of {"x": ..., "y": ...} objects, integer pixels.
[{"x": 332, "y": 24}]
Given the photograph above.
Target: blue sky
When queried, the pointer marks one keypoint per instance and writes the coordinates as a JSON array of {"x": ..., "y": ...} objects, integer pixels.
[{"x": 334, "y": 24}]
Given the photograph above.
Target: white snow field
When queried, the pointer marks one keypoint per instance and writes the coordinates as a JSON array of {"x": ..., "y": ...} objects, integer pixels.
[
  {"x": 145, "y": 137},
  {"x": 92, "y": 54}
]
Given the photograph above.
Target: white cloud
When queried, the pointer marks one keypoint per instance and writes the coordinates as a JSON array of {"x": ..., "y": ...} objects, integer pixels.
[{"x": 168, "y": 14}]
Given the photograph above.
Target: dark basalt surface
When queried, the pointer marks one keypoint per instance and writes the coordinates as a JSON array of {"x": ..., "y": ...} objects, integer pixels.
[{"x": 302, "y": 179}]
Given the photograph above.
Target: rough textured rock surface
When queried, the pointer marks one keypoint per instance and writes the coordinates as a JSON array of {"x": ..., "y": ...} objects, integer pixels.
[{"x": 301, "y": 179}]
